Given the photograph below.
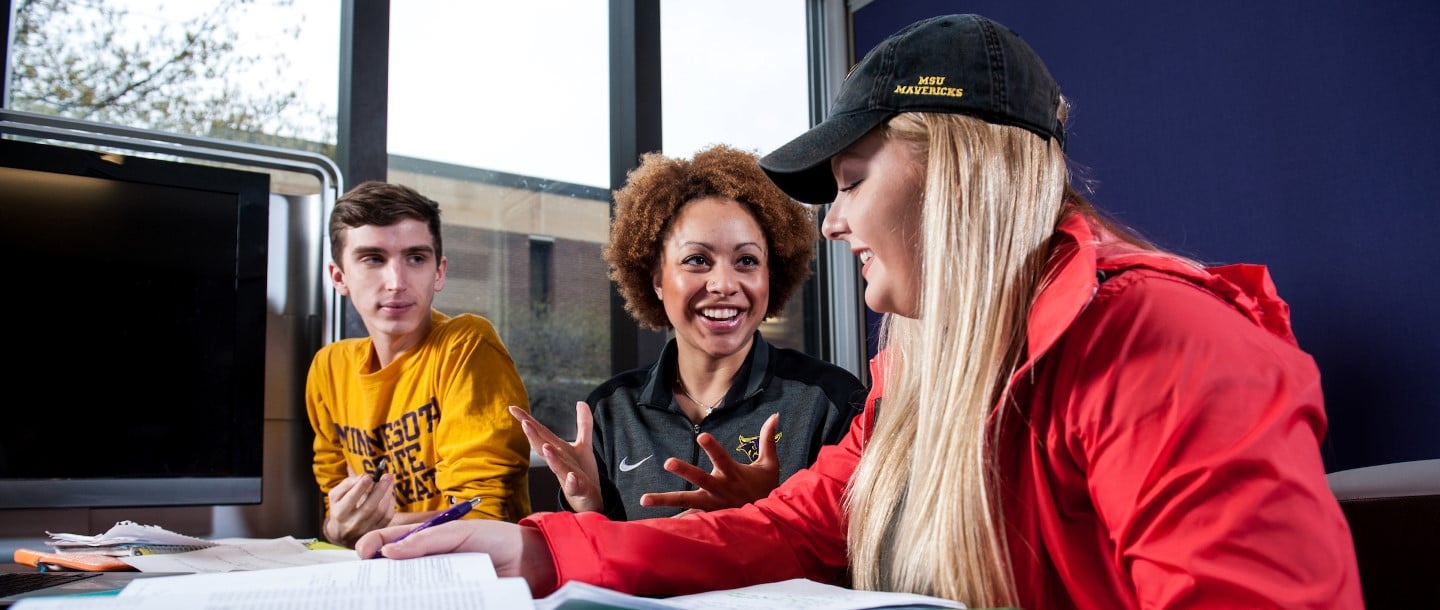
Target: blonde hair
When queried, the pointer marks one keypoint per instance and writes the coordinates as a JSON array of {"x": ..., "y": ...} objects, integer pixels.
[{"x": 924, "y": 509}]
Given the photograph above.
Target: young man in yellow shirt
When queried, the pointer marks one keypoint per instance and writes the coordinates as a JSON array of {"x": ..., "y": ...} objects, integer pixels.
[{"x": 428, "y": 393}]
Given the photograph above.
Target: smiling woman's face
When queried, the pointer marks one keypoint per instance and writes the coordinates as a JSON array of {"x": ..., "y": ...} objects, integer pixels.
[
  {"x": 877, "y": 211},
  {"x": 714, "y": 276}
]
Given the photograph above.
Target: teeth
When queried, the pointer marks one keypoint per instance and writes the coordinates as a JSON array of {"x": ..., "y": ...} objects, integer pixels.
[
  {"x": 866, "y": 256},
  {"x": 720, "y": 313}
]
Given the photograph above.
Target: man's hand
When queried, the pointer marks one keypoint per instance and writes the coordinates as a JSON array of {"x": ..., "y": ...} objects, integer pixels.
[
  {"x": 730, "y": 483},
  {"x": 358, "y": 505},
  {"x": 573, "y": 463}
]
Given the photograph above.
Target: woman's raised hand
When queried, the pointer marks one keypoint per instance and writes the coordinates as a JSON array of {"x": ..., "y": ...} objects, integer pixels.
[
  {"x": 573, "y": 463},
  {"x": 729, "y": 483}
]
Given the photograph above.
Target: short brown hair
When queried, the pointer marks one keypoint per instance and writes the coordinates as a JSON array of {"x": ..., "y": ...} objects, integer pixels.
[
  {"x": 656, "y": 190},
  {"x": 381, "y": 204}
]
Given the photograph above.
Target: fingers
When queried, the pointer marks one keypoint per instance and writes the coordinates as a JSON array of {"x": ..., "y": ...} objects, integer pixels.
[
  {"x": 691, "y": 472},
  {"x": 581, "y": 496},
  {"x": 729, "y": 483},
  {"x": 557, "y": 453},
  {"x": 582, "y": 492},
  {"x": 570, "y": 485},
  {"x": 358, "y": 505},
  {"x": 675, "y": 499},
  {"x": 534, "y": 430},
  {"x": 584, "y": 425},
  {"x": 388, "y": 515},
  {"x": 367, "y": 546},
  {"x": 724, "y": 464},
  {"x": 534, "y": 435},
  {"x": 350, "y": 493},
  {"x": 768, "y": 453},
  {"x": 419, "y": 544},
  {"x": 562, "y": 459}
]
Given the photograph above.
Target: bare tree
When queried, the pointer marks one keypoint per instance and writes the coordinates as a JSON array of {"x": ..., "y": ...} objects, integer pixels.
[
  {"x": 558, "y": 353},
  {"x": 93, "y": 60}
]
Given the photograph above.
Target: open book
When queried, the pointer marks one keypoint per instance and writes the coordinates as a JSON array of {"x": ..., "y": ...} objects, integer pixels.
[
  {"x": 460, "y": 581},
  {"x": 797, "y": 594},
  {"x": 442, "y": 582}
]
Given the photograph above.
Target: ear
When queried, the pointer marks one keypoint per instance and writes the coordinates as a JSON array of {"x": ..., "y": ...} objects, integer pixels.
[
  {"x": 337, "y": 278},
  {"x": 655, "y": 283},
  {"x": 440, "y": 274}
]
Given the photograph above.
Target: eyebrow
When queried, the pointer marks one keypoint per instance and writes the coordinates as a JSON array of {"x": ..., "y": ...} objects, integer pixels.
[
  {"x": 422, "y": 249},
  {"x": 711, "y": 247}
]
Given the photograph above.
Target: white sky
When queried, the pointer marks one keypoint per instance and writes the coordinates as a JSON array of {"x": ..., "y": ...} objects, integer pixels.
[{"x": 522, "y": 87}]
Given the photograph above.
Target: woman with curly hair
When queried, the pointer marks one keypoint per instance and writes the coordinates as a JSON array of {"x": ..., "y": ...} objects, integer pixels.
[{"x": 707, "y": 247}]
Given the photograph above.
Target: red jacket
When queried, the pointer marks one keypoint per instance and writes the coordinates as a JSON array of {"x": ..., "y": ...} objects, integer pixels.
[{"x": 1169, "y": 458}]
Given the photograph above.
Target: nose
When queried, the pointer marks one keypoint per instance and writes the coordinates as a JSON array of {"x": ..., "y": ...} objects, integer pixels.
[
  {"x": 835, "y": 226},
  {"x": 722, "y": 282},
  {"x": 392, "y": 274}
]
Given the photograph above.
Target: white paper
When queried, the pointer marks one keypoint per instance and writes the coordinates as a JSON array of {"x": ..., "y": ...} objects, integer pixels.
[
  {"x": 126, "y": 532},
  {"x": 500, "y": 594},
  {"x": 802, "y": 593},
  {"x": 372, "y": 574},
  {"x": 796, "y": 594},
  {"x": 586, "y": 595},
  {"x": 459, "y": 581},
  {"x": 248, "y": 555}
]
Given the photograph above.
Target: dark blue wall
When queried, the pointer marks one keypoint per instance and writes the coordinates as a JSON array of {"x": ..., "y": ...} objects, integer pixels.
[{"x": 1299, "y": 135}]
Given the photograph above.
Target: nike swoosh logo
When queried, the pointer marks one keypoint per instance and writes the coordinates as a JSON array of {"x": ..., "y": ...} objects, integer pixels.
[{"x": 627, "y": 467}]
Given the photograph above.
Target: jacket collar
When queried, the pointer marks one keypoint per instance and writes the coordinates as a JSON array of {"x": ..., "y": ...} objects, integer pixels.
[{"x": 752, "y": 378}]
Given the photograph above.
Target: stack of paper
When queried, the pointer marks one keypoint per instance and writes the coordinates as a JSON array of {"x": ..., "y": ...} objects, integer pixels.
[
  {"x": 462, "y": 581},
  {"x": 150, "y": 548},
  {"x": 128, "y": 538}
]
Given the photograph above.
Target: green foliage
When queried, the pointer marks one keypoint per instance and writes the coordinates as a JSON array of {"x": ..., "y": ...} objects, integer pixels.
[{"x": 97, "y": 61}]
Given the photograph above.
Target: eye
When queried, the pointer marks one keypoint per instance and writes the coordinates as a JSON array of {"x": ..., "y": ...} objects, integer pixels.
[
  {"x": 749, "y": 260},
  {"x": 417, "y": 259},
  {"x": 695, "y": 260},
  {"x": 850, "y": 187}
]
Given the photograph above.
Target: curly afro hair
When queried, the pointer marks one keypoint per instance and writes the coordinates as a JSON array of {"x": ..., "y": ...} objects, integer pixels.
[{"x": 652, "y": 196}]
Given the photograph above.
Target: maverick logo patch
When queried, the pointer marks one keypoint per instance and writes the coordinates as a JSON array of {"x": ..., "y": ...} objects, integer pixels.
[
  {"x": 750, "y": 445},
  {"x": 929, "y": 85}
]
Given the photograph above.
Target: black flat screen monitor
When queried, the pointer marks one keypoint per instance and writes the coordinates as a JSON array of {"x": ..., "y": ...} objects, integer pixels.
[{"x": 134, "y": 312}]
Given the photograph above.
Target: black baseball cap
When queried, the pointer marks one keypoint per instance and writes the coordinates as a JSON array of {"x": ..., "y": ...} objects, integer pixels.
[{"x": 962, "y": 64}]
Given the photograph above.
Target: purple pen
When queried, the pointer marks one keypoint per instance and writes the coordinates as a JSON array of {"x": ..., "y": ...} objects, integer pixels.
[{"x": 450, "y": 514}]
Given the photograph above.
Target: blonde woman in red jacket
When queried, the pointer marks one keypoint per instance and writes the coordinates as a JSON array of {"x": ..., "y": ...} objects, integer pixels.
[{"x": 1063, "y": 416}]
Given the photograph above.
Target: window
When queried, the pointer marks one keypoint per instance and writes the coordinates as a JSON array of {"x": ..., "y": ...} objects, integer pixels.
[
  {"x": 499, "y": 111},
  {"x": 212, "y": 69},
  {"x": 542, "y": 270}
]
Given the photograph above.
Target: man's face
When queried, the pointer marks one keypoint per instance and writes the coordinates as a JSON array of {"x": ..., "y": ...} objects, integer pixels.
[{"x": 391, "y": 275}]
